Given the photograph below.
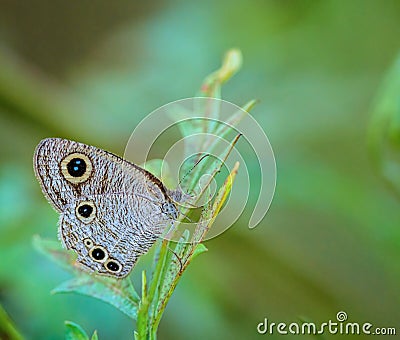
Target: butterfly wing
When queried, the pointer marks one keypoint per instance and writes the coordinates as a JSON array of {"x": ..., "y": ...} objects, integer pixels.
[
  {"x": 119, "y": 229},
  {"x": 67, "y": 170},
  {"x": 111, "y": 210}
]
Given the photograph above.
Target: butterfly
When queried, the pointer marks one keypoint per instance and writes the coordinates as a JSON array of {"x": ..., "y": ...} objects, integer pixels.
[{"x": 111, "y": 211}]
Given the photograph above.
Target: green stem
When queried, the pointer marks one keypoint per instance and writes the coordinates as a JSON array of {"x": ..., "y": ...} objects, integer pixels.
[
  {"x": 7, "y": 329},
  {"x": 143, "y": 311}
]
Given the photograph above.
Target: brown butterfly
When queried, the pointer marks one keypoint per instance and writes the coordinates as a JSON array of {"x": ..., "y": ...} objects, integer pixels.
[{"x": 111, "y": 211}]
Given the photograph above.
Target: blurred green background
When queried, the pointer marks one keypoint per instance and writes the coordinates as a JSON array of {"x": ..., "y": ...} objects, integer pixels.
[{"x": 90, "y": 71}]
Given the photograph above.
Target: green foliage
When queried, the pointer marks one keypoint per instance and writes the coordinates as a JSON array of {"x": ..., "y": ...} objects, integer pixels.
[
  {"x": 119, "y": 293},
  {"x": 75, "y": 332},
  {"x": 171, "y": 258}
]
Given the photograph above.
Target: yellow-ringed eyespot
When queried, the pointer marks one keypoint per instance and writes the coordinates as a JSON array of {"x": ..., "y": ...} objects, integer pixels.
[
  {"x": 88, "y": 243},
  {"x": 113, "y": 266},
  {"x": 85, "y": 211},
  {"x": 98, "y": 254},
  {"x": 76, "y": 168}
]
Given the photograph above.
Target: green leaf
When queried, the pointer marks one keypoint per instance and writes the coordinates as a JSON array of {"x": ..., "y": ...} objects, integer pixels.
[
  {"x": 118, "y": 293},
  {"x": 94, "y": 336},
  {"x": 250, "y": 105},
  {"x": 180, "y": 246},
  {"x": 74, "y": 332},
  {"x": 54, "y": 251},
  {"x": 228, "y": 125},
  {"x": 200, "y": 249},
  {"x": 160, "y": 258},
  {"x": 224, "y": 191},
  {"x": 231, "y": 63},
  {"x": 142, "y": 318}
]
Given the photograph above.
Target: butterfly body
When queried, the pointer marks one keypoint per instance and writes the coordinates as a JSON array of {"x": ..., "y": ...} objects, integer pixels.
[{"x": 111, "y": 211}]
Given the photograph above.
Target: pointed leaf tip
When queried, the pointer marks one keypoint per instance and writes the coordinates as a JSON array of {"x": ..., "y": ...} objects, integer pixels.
[
  {"x": 94, "y": 336},
  {"x": 74, "y": 332},
  {"x": 231, "y": 64},
  {"x": 200, "y": 249}
]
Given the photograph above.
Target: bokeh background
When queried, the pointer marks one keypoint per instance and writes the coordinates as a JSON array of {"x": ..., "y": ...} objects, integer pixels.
[{"x": 90, "y": 71}]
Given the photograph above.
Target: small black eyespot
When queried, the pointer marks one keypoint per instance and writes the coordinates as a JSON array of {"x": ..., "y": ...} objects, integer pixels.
[
  {"x": 88, "y": 243},
  {"x": 98, "y": 254},
  {"x": 112, "y": 266},
  {"x": 85, "y": 210},
  {"x": 76, "y": 167}
]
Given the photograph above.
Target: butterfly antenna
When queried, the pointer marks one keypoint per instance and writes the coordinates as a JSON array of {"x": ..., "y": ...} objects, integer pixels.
[{"x": 191, "y": 169}]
